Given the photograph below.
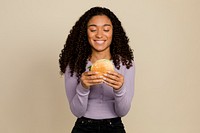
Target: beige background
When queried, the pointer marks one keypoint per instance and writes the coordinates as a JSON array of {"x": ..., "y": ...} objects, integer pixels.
[{"x": 165, "y": 36}]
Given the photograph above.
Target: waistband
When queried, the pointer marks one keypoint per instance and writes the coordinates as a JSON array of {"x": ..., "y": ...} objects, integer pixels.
[{"x": 99, "y": 121}]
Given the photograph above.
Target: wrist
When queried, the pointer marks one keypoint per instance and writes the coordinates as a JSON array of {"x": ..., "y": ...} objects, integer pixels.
[{"x": 85, "y": 86}]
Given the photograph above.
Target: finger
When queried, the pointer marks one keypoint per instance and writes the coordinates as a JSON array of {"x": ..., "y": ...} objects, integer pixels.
[
  {"x": 91, "y": 82},
  {"x": 111, "y": 77},
  {"x": 116, "y": 84},
  {"x": 116, "y": 87},
  {"x": 110, "y": 80},
  {"x": 94, "y": 77},
  {"x": 95, "y": 81},
  {"x": 114, "y": 73},
  {"x": 92, "y": 73}
]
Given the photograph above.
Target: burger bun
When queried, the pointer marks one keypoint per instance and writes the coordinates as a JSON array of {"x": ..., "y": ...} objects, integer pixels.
[{"x": 102, "y": 66}]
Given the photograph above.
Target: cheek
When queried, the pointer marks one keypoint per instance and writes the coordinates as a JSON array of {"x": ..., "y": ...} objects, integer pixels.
[
  {"x": 110, "y": 36},
  {"x": 90, "y": 35},
  {"x": 89, "y": 38}
]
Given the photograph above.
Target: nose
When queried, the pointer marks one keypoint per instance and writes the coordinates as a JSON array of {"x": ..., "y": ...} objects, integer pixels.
[{"x": 99, "y": 34}]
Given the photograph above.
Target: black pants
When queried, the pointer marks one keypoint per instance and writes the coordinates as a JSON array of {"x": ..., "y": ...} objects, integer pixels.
[{"x": 86, "y": 125}]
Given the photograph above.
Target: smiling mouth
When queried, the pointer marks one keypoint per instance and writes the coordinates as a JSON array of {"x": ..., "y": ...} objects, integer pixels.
[{"x": 99, "y": 41}]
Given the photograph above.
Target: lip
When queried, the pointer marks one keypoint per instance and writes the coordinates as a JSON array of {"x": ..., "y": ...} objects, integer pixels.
[{"x": 99, "y": 41}]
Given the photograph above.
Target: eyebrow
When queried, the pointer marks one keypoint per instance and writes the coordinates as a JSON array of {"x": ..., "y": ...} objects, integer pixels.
[{"x": 96, "y": 25}]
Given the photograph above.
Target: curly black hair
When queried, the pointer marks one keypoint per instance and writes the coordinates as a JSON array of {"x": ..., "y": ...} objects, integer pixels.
[{"x": 77, "y": 49}]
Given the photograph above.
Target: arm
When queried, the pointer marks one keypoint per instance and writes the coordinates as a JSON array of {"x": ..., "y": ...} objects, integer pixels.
[
  {"x": 124, "y": 96},
  {"x": 77, "y": 95}
]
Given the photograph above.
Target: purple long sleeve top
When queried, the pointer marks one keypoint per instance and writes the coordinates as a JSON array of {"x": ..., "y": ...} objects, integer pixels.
[{"x": 100, "y": 101}]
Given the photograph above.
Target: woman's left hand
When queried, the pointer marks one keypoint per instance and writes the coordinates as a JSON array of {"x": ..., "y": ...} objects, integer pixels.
[{"x": 113, "y": 79}]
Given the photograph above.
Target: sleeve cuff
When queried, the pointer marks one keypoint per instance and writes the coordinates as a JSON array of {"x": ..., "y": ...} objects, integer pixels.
[
  {"x": 120, "y": 92},
  {"x": 82, "y": 91}
]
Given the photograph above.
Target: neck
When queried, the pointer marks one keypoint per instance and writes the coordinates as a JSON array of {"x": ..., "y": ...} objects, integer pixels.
[{"x": 98, "y": 56}]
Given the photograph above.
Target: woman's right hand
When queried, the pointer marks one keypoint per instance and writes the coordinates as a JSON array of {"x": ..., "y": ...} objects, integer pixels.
[{"x": 90, "y": 78}]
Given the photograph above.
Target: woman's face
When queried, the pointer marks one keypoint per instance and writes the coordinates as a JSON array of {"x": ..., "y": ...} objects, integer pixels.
[{"x": 100, "y": 30}]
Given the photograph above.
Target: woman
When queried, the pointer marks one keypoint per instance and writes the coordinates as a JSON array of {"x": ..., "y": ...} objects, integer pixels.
[{"x": 98, "y": 102}]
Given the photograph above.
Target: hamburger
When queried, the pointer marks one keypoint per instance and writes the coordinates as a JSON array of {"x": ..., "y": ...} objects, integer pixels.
[{"x": 102, "y": 66}]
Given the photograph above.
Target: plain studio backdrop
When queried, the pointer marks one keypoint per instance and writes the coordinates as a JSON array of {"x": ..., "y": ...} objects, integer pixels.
[{"x": 165, "y": 36}]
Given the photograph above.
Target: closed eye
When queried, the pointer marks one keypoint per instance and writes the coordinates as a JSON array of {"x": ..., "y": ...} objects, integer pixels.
[
  {"x": 92, "y": 30},
  {"x": 106, "y": 30}
]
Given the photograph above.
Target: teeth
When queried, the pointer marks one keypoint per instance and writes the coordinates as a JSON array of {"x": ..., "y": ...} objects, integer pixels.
[{"x": 100, "y": 42}]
